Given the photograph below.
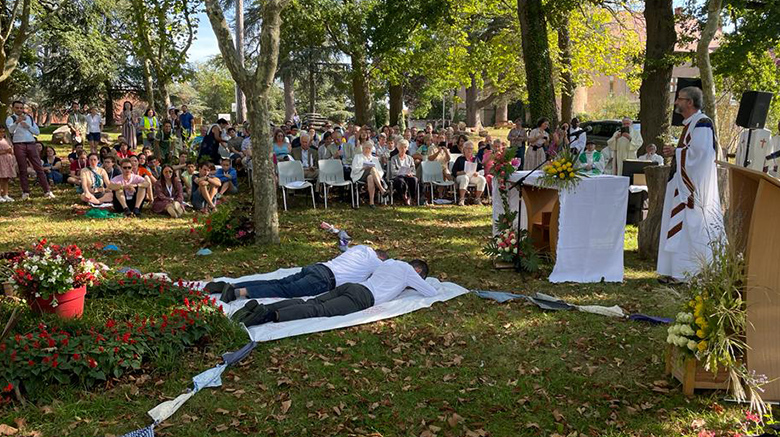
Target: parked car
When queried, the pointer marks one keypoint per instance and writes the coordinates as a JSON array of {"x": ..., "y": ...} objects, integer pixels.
[{"x": 602, "y": 130}]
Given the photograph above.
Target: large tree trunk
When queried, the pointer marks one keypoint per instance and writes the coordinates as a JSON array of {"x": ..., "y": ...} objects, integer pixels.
[
  {"x": 240, "y": 98},
  {"x": 166, "y": 98},
  {"x": 361, "y": 91},
  {"x": 110, "y": 120},
  {"x": 396, "y": 103},
  {"x": 650, "y": 228},
  {"x": 567, "y": 79},
  {"x": 257, "y": 85},
  {"x": 654, "y": 97},
  {"x": 289, "y": 94},
  {"x": 473, "y": 116},
  {"x": 536, "y": 55},
  {"x": 10, "y": 53},
  {"x": 703, "y": 59},
  {"x": 149, "y": 84},
  {"x": 266, "y": 219},
  {"x": 502, "y": 112}
]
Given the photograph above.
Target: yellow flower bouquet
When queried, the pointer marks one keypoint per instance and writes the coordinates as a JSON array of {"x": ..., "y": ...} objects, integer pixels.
[{"x": 561, "y": 173}]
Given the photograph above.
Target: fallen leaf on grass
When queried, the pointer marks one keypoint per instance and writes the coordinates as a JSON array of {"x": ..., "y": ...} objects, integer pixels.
[
  {"x": 7, "y": 430},
  {"x": 286, "y": 406},
  {"x": 454, "y": 420},
  {"x": 222, "y": 411}
]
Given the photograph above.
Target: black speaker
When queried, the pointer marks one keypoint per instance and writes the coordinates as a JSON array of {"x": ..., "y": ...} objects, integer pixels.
[
  {"x": 683, "y": 82},
  {"x": 753, "y": 108}
]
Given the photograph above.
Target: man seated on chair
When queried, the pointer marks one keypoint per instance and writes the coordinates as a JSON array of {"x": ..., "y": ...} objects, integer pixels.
[
  {"x": 651, "y": 155},
  {"x": 388, "y": 281},
  {"x": 591, "y": 160},
  {"x": 307, "y": 156},
  {"x": 354, "y": 265}
]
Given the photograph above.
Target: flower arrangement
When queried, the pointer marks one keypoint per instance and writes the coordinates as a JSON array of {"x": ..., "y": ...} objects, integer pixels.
[
  {"x": 712, "y": 325},
  {"x": 562, "y": 173},
  {"x": 88, "y": 353},
  {"x": 49, "y": 270},
  {"x": 231, "y": 225},
  {"x": 507, "y": 245}
]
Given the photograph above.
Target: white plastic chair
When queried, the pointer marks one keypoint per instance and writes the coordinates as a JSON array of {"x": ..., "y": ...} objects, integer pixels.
[
  {"x": 291, "y": 178},
  {"x": 332, "y": 175},
  {"x": 433, "y": 174},
  {"x": 453, "y": 158}
]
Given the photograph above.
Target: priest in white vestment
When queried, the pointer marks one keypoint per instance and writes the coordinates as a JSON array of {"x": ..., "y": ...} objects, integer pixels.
[
  {"x": 624, "y": 144},
  {"x": 760, "y": 148},
  {"x": 692, "y": 218}
]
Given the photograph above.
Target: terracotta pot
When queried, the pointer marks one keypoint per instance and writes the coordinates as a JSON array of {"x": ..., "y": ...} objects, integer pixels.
[{"x": 70, "y": 305}]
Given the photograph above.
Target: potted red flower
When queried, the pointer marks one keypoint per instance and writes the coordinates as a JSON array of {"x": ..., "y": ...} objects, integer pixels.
[{"x": 54, "y": 278}]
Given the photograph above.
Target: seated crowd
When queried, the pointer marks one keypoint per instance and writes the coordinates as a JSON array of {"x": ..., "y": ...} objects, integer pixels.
[{"x": 171, "y": 172}]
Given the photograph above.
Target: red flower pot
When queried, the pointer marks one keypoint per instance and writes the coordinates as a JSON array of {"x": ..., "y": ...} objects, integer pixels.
[{"x": 70, "y": 305}]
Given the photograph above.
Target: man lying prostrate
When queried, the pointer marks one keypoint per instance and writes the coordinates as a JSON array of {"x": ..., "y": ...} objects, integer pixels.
[
  {"x": 385, "y": 284},
  {"x": 354, "y": 265}
]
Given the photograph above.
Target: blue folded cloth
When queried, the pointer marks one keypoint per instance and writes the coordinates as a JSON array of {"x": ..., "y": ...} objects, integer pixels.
[
  {"x": 111, "y": 247},
  {"x": 203, "y": 252},
  {"x": 650, "y": 319}
]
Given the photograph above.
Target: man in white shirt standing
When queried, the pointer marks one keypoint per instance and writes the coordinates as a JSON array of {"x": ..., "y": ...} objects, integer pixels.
[
  {"x": 388, "y": 281},
  {"x": 651, "y": 155},
  {"x": 94, "y": 127},
  {"x": 577, "y": 136},
  {"x": 23, "y": 129},
  {"x": 354, "y": 265}
]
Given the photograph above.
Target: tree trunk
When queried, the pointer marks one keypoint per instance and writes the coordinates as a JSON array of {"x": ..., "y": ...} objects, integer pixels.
[
  {"x": 110, "y": 120},
  {"x": 567, "y": 79},
  {"x": 714, "y": 8},
  {"x": 166, "y": 98},
  {"x": 538, "y": 65},
  {"x": 502, "y": 112},
  {"x": 149, "y": 84},
  {"x": 650, "y": 228},
  {"x": 396, "y": 103},
  {"x": 47, "y": 120},
  {"x": 240, "y": 98},
  {"x": 473, "y": 116},
  {"x": 289, "y": 94},
  {"x": 266, "y": 219},
  {"x": 312, "y": 87},
  {"x": 361, "y": 91},
  {"x": 654, "y": 97}
]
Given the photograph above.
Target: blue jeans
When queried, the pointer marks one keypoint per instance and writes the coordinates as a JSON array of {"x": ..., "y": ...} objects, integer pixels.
[{"x": 310, "y": 281}]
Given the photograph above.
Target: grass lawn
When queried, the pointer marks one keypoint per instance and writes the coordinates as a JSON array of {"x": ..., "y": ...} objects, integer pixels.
[{"x": 468, "y": 367}]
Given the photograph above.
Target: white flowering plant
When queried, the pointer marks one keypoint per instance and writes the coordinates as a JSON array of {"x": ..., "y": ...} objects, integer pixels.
[{"x": 49, "y": 270}]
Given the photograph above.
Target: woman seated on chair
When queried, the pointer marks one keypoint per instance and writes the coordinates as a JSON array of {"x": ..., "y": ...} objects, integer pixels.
[
  {"x": 402, "y": 173},
  {"x": 281, "y": 147},
  {"x": 464, "y": 178},
  {"x": 498, "y": 148},
  {"x": 367, "y": 169}
]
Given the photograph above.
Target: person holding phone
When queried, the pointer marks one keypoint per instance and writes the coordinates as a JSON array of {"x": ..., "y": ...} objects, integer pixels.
[
  {"x": 23, "y": 129},
  {"x": 624, "y": 144},
  {"x": 538, "y": 142}
]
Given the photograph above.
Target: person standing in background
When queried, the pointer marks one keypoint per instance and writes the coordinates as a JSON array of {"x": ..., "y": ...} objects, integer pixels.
[{"x": 23, "y": 129}]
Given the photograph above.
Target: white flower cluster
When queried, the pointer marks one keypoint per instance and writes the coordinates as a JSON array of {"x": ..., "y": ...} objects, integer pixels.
[{"x": 681, "y": 334}]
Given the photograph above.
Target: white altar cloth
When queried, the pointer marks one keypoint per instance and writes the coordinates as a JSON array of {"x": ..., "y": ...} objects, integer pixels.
[{"x": 591, "y": 227}]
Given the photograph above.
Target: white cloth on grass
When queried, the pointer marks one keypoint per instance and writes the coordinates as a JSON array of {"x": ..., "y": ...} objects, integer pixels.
[
  {"x": 591, "y": 227},
  {"x": 408, "y": 301}
]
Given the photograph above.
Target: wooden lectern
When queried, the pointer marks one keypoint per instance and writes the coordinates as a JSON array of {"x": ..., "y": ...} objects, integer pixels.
[
  {"x": 755, "y": 210},
  {"x": 543, "y": 208}
]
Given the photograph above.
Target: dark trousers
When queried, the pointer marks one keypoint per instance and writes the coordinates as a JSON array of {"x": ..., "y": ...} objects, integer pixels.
[
  {"x": 310, "y": 281},
  {"x": 345, "y": 299},
  {"x": 28, "y": 152},
  {"x": 130, "y": 203},
  {"x": 406, "y": 185}
]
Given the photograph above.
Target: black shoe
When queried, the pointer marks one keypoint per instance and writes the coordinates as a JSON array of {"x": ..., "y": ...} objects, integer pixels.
[
  {"x": 258, "y": 316},
  {"x": 244, "y": 312},
  {"x": 137, "y": 212},
  {"x": 228, "y": 293},
  {"x": 128, "y": 213},
  {"x": 214, "y": 287}
]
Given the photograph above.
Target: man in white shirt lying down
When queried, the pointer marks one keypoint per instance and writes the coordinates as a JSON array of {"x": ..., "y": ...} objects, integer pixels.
[
  {"x": 354, "y": 265},
  {"x": 385, "y": 284}
]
